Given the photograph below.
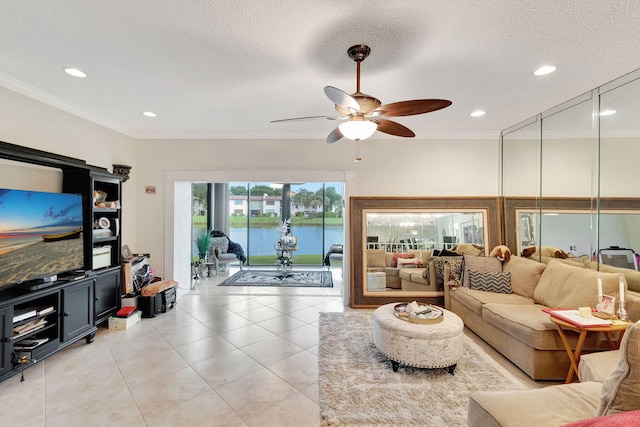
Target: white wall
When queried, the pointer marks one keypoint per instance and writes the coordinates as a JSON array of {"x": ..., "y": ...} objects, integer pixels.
[
  {"x": 26, "y": 122},
  {"x": 391, "y": 167}
]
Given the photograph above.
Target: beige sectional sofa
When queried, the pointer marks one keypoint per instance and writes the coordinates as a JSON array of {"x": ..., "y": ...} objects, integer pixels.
[
  {"x": 610, "y": 401},
  {"x": 380, "y": 261},
  {"x": 514, "y": 323}
]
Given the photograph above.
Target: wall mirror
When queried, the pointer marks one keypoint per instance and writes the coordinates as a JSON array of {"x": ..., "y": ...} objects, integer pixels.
[
  {"x": 387, "y": 225},
  {"x": 569, "y": 224},
  {"x": 568, "y": 176}
]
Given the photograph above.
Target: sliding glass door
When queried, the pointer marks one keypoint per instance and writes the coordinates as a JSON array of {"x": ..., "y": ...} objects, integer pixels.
[{"x": 250, "y": 213}]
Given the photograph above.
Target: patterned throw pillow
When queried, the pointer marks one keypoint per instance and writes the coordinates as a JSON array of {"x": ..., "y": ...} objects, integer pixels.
[
  {"x": 490, "y": 282},
  {"x": 221, "y": 244},
  {"x": 437, "y": 263},
  {"x": 485, "y": 264}
]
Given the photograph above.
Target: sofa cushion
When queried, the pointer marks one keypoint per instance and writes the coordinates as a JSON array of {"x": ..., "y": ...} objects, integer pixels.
[
  {"x": 436, "y": 263},
  {"x": 394, "y": 258},
  {"x": 525, "y": 274},
  {"x": 597, "y": 366},
  {"x": 375, "y": 258},
  {"x": 414, "y": 275},
  {"x": 565, "y": 286},
  {"x": 474, "y": 300},
  {"x": 421, "y": 255},
  {"x": 490, "y": 282},
  {"x": 621, "y": 389},
  {"x": 548, "y": 406},
  {"x": 483, "y": 264},
  {"x": 526, "y": 323},
  {"x": 632, "y": 276}
]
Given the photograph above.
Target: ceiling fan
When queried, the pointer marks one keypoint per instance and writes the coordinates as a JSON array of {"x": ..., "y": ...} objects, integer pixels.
[{"x": 363, "y": 114}]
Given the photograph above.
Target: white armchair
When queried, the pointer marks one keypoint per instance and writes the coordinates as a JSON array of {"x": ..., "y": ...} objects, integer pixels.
[{"x": 219, "y": 253}]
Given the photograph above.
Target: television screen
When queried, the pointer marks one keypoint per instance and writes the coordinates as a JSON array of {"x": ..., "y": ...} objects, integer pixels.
[{"x": 40, "y": 235}]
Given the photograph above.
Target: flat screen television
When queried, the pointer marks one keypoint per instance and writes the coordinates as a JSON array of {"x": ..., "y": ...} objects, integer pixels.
[{"x": 40, "y": 236}]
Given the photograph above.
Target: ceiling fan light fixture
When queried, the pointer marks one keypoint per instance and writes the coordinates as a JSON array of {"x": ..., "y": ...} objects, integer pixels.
[{"x": 358, "y": 130}]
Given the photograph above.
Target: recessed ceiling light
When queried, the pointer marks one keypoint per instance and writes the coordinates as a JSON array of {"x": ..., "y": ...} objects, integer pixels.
[
  {"x": 547, "y": 69},
  {"x": 75, "y": 72},
  {"x": 477, "y": 113},
  {"x": 149, "y": 114},
  {"x": 607, "y": 112}
]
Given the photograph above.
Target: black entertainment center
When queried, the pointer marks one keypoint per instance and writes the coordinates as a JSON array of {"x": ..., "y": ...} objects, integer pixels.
[{"x": 61, "y": 303}]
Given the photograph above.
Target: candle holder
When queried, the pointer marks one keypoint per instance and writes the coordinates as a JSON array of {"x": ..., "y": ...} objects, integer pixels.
[{"x": 622, "y": 313}]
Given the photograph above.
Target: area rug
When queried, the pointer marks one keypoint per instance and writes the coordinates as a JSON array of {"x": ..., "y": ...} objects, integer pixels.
[
  {"x": 318, "y": 279},
  {"x": 358, "y": 386}
]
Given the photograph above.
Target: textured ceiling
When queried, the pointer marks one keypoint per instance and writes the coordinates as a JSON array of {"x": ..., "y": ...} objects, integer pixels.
[{"x": 224, "y": 69}]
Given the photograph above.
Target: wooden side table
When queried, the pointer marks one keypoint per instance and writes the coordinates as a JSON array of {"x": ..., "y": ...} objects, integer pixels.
[{"x": 574, "y": 355}]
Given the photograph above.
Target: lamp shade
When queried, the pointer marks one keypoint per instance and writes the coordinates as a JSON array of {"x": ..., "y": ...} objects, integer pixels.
[{"x": 358, "y": 129}]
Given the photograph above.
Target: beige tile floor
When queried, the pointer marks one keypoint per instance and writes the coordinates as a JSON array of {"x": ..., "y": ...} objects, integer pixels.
[{"x": 225, "y": 356}]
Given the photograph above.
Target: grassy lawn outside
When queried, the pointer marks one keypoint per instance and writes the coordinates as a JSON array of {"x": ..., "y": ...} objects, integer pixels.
[
  {"x": 266, "y": 222},
  {"x": 272, "y": 222}
]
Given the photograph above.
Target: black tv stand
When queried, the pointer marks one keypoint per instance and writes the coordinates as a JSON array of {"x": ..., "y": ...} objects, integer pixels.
[{"x": 78, "y": 300}]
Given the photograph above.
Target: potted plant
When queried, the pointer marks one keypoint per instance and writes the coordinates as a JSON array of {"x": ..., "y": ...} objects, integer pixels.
[{"x": 203, "y": 242}]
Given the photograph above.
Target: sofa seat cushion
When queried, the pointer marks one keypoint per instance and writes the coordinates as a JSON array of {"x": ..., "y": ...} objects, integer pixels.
[
  {"x": 227, "y": 257},
  {"x": 565, "y": 286},
  {"x": 526, "y": 323},
  {"x": 530, "y": 325},
  {"x": 597, "y": 366},
  {"x": 474, "y": 300},
  {"x": 414, "y": 275},
  {"x": 548, "y": 406}
]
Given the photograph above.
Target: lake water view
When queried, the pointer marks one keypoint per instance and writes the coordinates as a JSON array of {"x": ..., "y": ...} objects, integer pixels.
[{"x": 264, "y": 239}]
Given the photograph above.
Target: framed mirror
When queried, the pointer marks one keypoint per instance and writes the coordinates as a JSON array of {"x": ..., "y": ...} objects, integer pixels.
[
  {"x": 574, "y": 226},
  {"x": 391, "y": 234}
]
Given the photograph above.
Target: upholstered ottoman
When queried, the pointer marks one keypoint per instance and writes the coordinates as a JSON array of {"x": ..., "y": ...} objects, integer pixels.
[
  {"x": 376, "y": 281},
  {"x": 438, "y": 345}
]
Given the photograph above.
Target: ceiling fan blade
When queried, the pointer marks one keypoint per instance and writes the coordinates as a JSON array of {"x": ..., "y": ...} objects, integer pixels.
[
  {"x": 393, "y": 128},
  {"x": 341, "y": 98},
  {"x": 334, "y": 136},
  {"x": 416, "y": 106},
  {"x": 306, "y": 118}
]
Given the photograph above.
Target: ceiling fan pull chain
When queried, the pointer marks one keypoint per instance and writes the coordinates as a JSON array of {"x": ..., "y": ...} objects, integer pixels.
[{"x": 358, "y": 158}]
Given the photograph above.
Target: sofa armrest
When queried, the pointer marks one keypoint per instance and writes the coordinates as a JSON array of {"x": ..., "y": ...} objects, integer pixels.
[{"x": 449, "y": 285}]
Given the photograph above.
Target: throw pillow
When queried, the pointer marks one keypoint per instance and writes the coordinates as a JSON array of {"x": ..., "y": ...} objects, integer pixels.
[
  {"x": 375, "y": 258},
  {"x": 394, "y": 259},
  {"x": 437, "y": 263},
  {"x": 221, "y": 244},
  {"x": 525, "y": 275},
  {"x": 483, "y": 264},
  {"x": 446, "y": 252},
  {"x": 490, "y": 282},
  {"x": 620, "y": 391},
  {"x": 567, "y": 286}
]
